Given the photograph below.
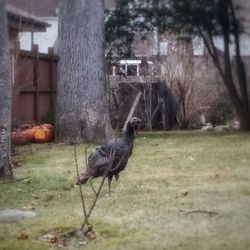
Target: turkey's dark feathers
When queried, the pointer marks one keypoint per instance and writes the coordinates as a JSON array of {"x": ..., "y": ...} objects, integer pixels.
[{"x": 111, "y": 158}]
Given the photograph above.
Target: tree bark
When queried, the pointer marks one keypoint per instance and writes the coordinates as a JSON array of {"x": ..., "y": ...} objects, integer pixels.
[
  {"x": 5, "y": 97},
  {"x": 82, "y": 107}
]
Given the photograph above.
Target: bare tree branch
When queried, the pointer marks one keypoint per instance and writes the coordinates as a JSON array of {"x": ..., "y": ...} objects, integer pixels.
[{"x": 80, "y": 187}]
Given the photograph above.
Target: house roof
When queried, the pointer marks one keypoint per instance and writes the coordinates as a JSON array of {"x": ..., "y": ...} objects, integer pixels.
[
  {"x": 46, "y": 8},
  {"x": 40, "y": 8},
  {"x": 24, "y": 21}
]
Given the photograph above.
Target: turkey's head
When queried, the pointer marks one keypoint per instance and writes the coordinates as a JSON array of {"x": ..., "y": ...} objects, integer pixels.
[
  {"x": 134, "y": 122},
  {"x": 132, "y": 126}
]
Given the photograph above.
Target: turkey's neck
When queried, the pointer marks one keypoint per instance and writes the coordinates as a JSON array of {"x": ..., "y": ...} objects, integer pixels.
[{"x": 129, "y": 133}]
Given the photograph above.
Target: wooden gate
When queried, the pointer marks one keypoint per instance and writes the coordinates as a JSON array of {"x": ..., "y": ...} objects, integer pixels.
[{"x": 34, "y": 78}]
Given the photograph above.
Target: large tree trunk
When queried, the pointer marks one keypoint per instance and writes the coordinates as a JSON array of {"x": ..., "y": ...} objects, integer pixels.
[
  {"x": 244, "y": 112},
  {"x": 237, "y": 86},
  {"x": 5, "y": 96},
  {"x": 82, "y": 107},
  {"x": 239, "y": 94}
]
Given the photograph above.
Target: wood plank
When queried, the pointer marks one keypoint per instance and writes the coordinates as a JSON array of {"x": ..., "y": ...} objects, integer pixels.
[
  {"x": 35, "y": 51},
  {"x": 29, "y": 54},
  {"x": 132, "y": 110},
  {"x": 51, "y": 81}
]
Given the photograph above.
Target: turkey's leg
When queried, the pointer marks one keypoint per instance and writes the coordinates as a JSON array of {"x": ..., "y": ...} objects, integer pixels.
[
  {"x": 91, "y": 184},
  {"x": 109, "y": 183}
]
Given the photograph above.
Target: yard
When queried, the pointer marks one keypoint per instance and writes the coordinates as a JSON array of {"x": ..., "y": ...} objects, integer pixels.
[{"x": 180, "y": 190}]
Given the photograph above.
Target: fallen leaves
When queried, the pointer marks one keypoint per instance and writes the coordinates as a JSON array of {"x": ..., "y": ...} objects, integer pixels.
[
  {"x": 22, "y": 236},
  {"x": 91, "y": 235},
  {"x": 184, "y": 193},
  {"x": 49, "y": 197},
  {"x": 53, "y": 239},
  {"x": 58, "y": 238},
  {"x": 16, "y": 163},
  {"x": 68, "y": 188},
  {"x": 34, "y": 196}
]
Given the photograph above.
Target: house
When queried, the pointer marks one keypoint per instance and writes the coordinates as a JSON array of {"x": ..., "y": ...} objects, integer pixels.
[
  {"x": 22, "y": 21},
  {"x": 47, "y": 11}
]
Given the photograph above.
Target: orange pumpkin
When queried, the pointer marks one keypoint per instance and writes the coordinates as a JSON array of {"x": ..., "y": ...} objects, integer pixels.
[
  {"x": 48, "y": 126},
  {"x": 29, "y": 133},
  {"x": 18, "y": 138},
  {"x": 43, "y": 135}
]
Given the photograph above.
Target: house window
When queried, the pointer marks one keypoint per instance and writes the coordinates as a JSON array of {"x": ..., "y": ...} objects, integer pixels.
[
  {"x": 131, "y": 67},
  {"x": 131, "y": 70}
]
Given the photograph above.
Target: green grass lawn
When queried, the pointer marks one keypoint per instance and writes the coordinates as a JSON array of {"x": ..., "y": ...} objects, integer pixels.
[{"x": 168, "y": 175}]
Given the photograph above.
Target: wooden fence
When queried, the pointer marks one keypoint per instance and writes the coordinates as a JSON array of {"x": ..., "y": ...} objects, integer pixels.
[{"x": 34, "y": 78}]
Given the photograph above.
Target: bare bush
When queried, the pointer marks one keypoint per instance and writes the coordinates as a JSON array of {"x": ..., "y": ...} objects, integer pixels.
[
  {"x": 195, "y": 95},
  {"x": 195, "y": 85}
]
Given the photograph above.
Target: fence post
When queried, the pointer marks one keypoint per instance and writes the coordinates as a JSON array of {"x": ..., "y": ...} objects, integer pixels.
[
  {"x": 52, "y": 83},
  {"x": 15, "y": 60},
  {"x": 35, "y": 52}
]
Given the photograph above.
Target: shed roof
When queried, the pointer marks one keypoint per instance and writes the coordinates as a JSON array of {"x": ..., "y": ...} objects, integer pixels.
[{"x": 24, "y": 21}]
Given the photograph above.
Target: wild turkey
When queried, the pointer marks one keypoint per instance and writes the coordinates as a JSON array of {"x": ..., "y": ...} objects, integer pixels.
[{"x": 110, "y": 159}]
